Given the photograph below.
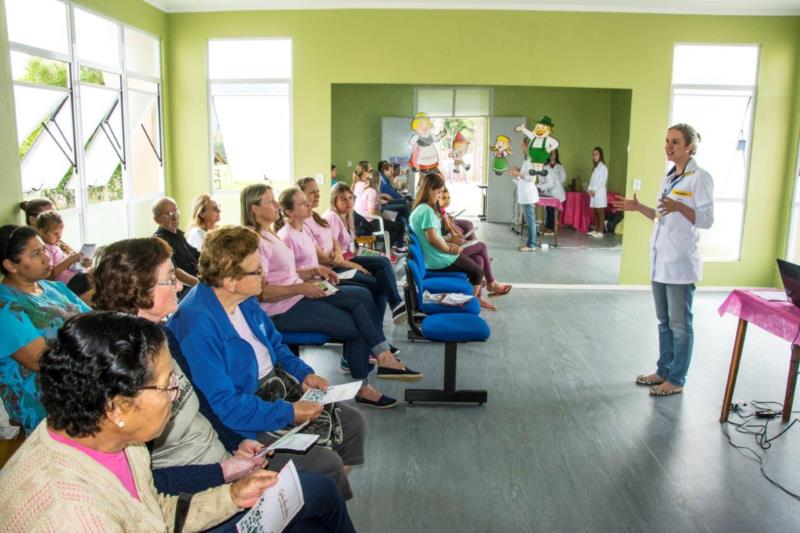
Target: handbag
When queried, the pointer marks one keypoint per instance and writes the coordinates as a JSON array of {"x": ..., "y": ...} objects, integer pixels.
[{"x": 280, "y": 385}]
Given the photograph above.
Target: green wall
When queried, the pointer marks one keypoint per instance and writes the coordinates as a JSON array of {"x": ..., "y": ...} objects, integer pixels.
[
  {"x": 356, "y": 112},
  {"x": 581, "y": 51},
  {"x": 488, "y": 48},
  {"x": 135, "y": 13},
  {"x": 584, "y": 118}
]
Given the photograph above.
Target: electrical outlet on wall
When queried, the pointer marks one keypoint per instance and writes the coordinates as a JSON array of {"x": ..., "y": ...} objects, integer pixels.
[
  {"x": 320, "y": 178},
  {"x": 637, "y": 185},
  {"x": 349, "y": 163}
]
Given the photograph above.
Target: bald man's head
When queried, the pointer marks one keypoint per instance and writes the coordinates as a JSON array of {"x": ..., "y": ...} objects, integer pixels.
[{"x": 166, "y": 214}]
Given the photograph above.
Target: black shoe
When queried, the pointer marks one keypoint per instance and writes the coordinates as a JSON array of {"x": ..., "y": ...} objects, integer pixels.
[
  {"x": 400, "y": 314},
  {"x": 384, "y": 402},
  {"x": 400, "y": 374}
]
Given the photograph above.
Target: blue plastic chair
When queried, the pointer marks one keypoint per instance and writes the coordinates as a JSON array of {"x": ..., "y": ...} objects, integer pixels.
[{"x": 451, "y": 329}]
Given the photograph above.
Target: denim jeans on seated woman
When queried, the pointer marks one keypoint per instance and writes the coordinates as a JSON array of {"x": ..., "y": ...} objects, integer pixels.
[
  {"x": 675, "y": 331},
  {"x": 348, "y": 315},
  {"x": 382, "y": 283}
]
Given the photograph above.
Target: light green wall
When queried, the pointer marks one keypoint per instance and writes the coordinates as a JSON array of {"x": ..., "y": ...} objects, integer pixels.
[
  {"x": 620, "y": 137},
  {"x": 356, "y": 112},
  {"x": 584, "y": 118},
  {"x": 578, "y": 50},
  {"x": 10, "y": 185},
  {"x": 135, "y": 13}
]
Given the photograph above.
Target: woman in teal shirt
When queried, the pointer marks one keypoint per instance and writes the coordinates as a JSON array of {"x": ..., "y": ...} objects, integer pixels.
[
  {"x": 438, "y": 253},
  {"x": 32, "y": 310}
]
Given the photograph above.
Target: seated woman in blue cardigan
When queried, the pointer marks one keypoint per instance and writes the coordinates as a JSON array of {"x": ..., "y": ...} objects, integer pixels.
[{"x": 231, "y": 346}]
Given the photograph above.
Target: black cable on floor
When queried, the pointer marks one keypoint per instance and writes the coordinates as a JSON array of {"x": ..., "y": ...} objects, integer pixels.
[{"x": 759, "y": 432}]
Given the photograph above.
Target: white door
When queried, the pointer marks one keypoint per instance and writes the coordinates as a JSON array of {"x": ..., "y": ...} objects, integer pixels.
[{"x": 501, "y": 194}]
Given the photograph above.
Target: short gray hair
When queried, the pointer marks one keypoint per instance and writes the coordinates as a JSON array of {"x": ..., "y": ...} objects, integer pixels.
[{"x": 159, "y": 204}]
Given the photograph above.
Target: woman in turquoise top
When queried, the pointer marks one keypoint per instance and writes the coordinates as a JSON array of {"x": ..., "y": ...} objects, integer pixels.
[
  {"x": 438, "y": 253},
  {"x": 32, "y": 310}
]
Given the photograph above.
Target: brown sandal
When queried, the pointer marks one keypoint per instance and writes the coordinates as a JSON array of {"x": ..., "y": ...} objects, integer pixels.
[
  {"x": 658, "y": 390},
  {"x": 649, "y": 380},
  {"x": 502, "y": 290}
]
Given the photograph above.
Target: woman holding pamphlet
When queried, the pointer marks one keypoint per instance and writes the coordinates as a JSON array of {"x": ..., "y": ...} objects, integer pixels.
[{"x": 440, "y": 255}]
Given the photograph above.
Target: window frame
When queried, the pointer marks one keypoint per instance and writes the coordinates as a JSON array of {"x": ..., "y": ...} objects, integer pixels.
[
  {"x": 793, "y": 234},
  {"x": 753, "y": 90},
  {"x": 453, "y": 90},
  {"x": 78, "y": 136},
  {"x": 210, "y": 82}
]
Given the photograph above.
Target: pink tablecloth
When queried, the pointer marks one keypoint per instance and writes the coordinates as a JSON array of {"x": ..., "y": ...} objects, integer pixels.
[
  {"x": 549, "y": 201},
  {"x": 577, "y": 212},
  {"x": 781, "y": 318}
]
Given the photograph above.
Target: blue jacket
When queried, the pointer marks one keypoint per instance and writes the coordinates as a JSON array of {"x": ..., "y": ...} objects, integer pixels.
[
  {"x": 388, "y": 188},
  {"x": 223, "y": 365}
]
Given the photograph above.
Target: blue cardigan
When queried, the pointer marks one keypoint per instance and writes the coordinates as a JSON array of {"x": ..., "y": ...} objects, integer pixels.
[{"x": 223, "y": 365}]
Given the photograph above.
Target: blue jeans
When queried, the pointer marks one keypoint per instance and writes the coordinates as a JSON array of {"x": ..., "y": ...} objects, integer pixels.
[
  {"x": 348, "y": 315},
  {"x": 675, "y": 332},
  {"x": 382, "y": 284},
  {"x": 530, "y": 220}
]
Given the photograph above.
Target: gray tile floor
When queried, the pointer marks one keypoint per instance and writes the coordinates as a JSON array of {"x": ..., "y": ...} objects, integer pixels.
[
  {"x": 567, "y": 442},
  {"x": 578, "y": 259}
]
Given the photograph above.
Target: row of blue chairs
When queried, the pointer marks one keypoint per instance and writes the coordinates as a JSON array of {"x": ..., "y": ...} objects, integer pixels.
[{"x": 441, "y": 323}]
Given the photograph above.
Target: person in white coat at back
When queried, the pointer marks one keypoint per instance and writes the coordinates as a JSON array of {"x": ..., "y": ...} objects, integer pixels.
[
  {"x": 597, "y": 191},
  {"x": 553, "y": 185},
  {"x": 685, "y": 205}
]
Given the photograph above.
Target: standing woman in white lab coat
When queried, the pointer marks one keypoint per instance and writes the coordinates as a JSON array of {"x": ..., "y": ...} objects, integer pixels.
[
  {"x": 597, "y": 191},
  {"x": 685, "y": 205}
]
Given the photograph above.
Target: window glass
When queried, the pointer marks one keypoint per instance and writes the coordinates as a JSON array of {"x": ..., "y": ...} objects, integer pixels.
[
  {"x": 101, "y": 115},
  {"x": 240, "y": 59},
  {"x": 141, "y": 53},
  {"x": 97, "y": 39},
  {"x": 39, "y": 70},
  {"x": 145, "y": 135},
  {"x": 251, "y": 134},
  {"x": 38, "y": 23},
  {"x": 472, "y": 102},
  {"x": 715, "y": 65},
  {"x": 435, "y": 102}
]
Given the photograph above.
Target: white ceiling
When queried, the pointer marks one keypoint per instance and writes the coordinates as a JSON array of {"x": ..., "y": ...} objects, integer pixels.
[{"x": 675, "y": 7}]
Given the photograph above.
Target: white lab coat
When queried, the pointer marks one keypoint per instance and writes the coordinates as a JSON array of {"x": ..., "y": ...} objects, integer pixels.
[
  {"x": 527, "y": 193},
  {"x": 597, "y": 183},
  {"x": 553, "y": 183},
  {"x": 674, "y": 250}
]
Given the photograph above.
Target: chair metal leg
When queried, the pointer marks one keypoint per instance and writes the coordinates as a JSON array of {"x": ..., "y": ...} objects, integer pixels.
[{"x": 448, "y": 394}]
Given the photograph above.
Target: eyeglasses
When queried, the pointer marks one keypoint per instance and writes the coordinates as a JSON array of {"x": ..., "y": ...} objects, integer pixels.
[
  {"x": 171, "y": 282},
  {"x": 172, "y": 214},
  {"x": 172, "y": 388},
  {"x": 259, "y": 272}
]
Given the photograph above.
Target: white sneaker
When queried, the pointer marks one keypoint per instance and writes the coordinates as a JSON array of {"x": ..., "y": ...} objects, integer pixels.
[
  {"x": 596, "y": 234},
  {"x": 526, "y": 249}
]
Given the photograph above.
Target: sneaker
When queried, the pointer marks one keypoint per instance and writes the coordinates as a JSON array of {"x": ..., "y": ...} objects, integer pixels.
[
  {"x": 400, "y": 313},
  {"x": 526, "y": 249},
  {"x": 596, "y": 234},
  {"x": 400, "y": 250},
  {"x": 402, "y": 374}
]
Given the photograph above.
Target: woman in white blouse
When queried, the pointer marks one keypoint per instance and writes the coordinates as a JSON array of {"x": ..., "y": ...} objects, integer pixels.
[
  {"x": 205, "y": 215},
  {"x": 597, "y": 191},
  {"x": 553, "y": 184}
]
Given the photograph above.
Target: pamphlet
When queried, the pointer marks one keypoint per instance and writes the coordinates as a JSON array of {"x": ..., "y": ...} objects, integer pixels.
[
  {"x": 277, "y": 506},
  {"x": 347, "y": 274},
  {"x": 335, "y": 393},
  {"x": 326, "y": 287},
  {"x": 453, "y": 299},
  {"x": 469, "y": 234},
  {"x": 289, "y": 443},
  {"x": 467, "y": 244},
  {"x": 389, "y": 215},
  {"x": 87, "y": 251},
  {"x": 368, "y": 252}
]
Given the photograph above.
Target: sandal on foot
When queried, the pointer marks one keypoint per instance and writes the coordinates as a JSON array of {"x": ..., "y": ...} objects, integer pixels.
[
  {"x": 658, "y": 390},
  {"x": 501, "y": 290},
  {"x": 649, "y": 380}
]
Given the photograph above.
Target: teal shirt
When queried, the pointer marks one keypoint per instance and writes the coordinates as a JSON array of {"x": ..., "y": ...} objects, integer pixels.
[
  {"x": 23, "y": 319},
  {"x": 422, "y": 218}
]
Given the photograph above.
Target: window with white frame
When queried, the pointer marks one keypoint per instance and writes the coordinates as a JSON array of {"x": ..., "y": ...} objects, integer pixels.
[
  {"x": 453, "y": 101},
  {"x": 793, "y": 243},
  {"x": 250, "y": 114},
  {"x": 86, "y": 92},
  {"x": 713, "y": 89}
]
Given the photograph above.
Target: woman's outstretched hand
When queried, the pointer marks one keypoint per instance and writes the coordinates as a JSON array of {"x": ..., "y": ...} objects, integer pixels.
[{"x": 627, "y": 204}]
